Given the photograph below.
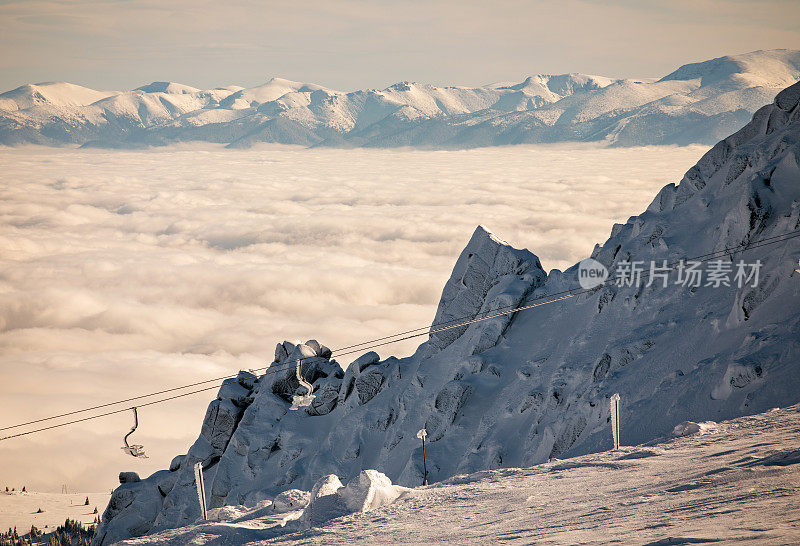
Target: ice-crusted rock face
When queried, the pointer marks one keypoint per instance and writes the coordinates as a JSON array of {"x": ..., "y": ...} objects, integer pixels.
[
  {"x": 536, "y": 384},
  {"x": 488, "y": 276},
  {"x": 136, "y": 506}
]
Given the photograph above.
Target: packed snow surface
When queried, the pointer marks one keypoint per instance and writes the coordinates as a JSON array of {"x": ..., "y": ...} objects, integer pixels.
[
  {"x": 21, "y": 510},
  {"x": 698, "y": 103},
  {"x": 736, "y": 481}
]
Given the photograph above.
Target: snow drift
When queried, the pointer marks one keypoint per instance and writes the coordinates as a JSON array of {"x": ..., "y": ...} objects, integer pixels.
[
  {"x": 518, "y": 390},
  {"x": 698, "y": 103},
  {"x": 329, "y": 499}
]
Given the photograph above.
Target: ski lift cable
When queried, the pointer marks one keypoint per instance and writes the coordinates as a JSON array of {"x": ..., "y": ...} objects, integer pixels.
[
  {"x": 569, "y": 293},
  {"x": 426, "y": 330},
  {"x": 386, "y": 340},
  {"x": 269, "y": 371},
  {"x": 99, "y": 406},
  {"x": 423, "y": 329},
  {"x": 645, "y": 274},
  {"x": 106, "y": 414}
]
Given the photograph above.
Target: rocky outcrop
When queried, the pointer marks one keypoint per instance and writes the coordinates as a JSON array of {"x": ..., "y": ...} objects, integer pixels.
[
  {"x": 489, "y": 277},
  {"x": 518, "y": 390},
  {"x": 136, "y": 506}
]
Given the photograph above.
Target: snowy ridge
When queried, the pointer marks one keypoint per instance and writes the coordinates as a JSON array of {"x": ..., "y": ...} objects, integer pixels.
[
  {"x": 698, "y": 103},
  {"x": 519, "y": 392}
]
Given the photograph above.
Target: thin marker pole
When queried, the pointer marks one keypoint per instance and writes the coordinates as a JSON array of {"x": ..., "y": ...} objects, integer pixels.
[
  {"x": 424, "y": 463},
  {"x": 201, "y": 489},
  {"x": 615, "y": 420},
  {"x": 421, "y": 434}
]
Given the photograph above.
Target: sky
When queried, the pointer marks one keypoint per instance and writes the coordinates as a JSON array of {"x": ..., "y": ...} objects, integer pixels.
[
  {"x": 128, "y": 272},
  {"x": 354, "y": 44}
]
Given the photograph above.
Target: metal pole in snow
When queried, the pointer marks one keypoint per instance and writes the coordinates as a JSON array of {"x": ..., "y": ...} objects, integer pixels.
[
  {"x": 201, "y": 488},
  {"x": 615, "y": 420},
  {"x": 421, "y": 434},
  {"x": 424, "y": 463}
]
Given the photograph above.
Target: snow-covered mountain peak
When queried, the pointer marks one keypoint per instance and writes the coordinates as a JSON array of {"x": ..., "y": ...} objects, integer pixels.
[
  {"x": 55, "y": 94},
  {"x": 272, "y": 90},
  {"x": 772, "y": 68},
  {"x": 482, "y": 232},
  {"x": 568, "y": 84},
  {"x": 167, "y": 87},
  {"x": 402, "y": 86},
  {"x": 291, "y": 85},
  {"x": 560, "y": 85}
]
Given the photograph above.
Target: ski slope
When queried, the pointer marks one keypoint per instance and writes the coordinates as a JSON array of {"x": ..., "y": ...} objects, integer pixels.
[
  {"x": 20, "y": 510},
  {"x": 734, "y": 481}
]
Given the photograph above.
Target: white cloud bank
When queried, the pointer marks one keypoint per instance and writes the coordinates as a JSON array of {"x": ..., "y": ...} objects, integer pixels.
[{"x": 127, "y": 272}]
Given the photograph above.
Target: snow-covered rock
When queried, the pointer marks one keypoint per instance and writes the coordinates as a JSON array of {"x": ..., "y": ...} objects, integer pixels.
[
  {"x": 326, "y": 485},
  {"x": 699, "y": 102},
  {"x": 529, "y": 387},
  {"x": 291, "y": 500},
  {"x": 686, "y": 428},
  {"x": 226, "y": 513},
  {"x": 133, "y": 507},
  {"x": 367, "y": 491},
  {"x": 370, "y": 490},
  {"x": 489, "y": 276},
  {"x": 129, "y": 477},
  {"x": 325, "y": 503},
  {"x": 176, "y": 463}
]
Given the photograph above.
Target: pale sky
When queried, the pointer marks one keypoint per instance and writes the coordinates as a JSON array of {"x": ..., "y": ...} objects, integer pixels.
[{"x": 351, "y": 44}]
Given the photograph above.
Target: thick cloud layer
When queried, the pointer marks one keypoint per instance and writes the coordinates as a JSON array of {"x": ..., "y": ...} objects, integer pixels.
[{"x": 126, "y": 272}]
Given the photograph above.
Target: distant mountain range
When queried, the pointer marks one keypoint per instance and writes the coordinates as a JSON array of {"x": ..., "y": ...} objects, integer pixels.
[{"x": 698, "y": 103}]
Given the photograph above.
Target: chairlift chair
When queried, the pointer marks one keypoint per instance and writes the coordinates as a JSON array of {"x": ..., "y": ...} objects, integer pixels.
[
  {"x": 135, "y": 450},
  {"x": 302, "y": 400}
]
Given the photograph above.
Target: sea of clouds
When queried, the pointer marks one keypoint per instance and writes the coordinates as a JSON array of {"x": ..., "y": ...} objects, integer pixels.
[{"x": 125, "y": 272}]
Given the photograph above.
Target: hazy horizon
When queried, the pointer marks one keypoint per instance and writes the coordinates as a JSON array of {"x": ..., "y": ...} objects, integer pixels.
[
  {"x": 105, "y": 44},
  {"x": 387, "y": 83}
]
